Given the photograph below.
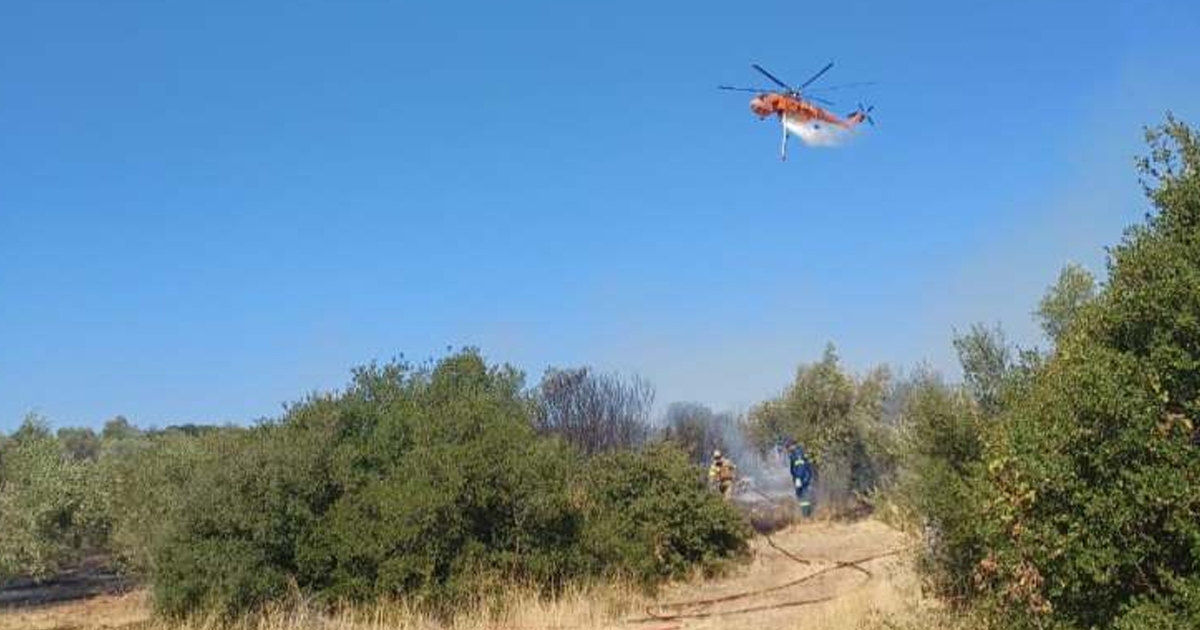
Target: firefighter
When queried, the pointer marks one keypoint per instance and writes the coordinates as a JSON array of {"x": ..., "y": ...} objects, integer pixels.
[
  {"x": 802, "y": 476},
  {"x": 721, "y": 474}
]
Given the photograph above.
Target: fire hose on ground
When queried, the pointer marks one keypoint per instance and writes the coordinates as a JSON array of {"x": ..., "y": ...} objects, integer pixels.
[{"x": 676, "y": 611}]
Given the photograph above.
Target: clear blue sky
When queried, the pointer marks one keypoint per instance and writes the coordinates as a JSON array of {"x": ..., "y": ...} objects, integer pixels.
[{"x": 209, "y": 209}]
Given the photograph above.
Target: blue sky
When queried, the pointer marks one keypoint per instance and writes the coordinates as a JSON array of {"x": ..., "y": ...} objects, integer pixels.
[{"x": 207, "y": 210}]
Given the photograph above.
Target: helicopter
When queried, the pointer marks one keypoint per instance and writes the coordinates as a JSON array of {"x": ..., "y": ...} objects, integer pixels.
[{"x": 799, "y": 113}]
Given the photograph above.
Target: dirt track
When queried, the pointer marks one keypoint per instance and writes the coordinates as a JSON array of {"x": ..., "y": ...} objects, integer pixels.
[
  {"x": 802, "y": 581},
  {"x": 797, "y": 578}
]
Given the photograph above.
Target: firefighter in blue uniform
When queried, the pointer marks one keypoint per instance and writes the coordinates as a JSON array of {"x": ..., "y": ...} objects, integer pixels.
[{"x": 802, "y": 476}]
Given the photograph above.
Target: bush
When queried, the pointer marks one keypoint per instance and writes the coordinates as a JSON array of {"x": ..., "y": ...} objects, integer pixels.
[
  {"x": 1177, "y": 610},
  {"x": 48, "y": 511},
  {"x": 253, "y": 500},
  {"x": 426, "y": 483},
  {"x": 468, "y": 499},
  {"x": 1090, "y": 512},
  {"x": 142, "y": 481},
  {"x": 942, "y": 446},
  {"x": 650, "y": 516},
  {"x": 233, "y": 539}
]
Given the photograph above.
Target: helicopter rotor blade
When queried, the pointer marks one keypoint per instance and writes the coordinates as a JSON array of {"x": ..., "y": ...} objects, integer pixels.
[
  {"x": 816, "y": 76},
  {"x": 743, "y": 89},
  {"x": 843, "y": 86},
  {"x": 774, "y": 79}
]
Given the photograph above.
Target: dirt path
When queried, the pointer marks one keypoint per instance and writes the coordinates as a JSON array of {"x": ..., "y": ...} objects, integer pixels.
[
  {"x": 830, "y": 576},
  {"x": 800, "y": 578}
]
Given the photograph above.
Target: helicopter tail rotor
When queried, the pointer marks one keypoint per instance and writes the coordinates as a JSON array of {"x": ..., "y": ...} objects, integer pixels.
[{"x": 861, "y": 114}]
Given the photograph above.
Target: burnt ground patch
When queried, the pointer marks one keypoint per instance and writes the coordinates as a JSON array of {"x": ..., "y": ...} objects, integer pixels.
[{"x": 91, "y": 577}]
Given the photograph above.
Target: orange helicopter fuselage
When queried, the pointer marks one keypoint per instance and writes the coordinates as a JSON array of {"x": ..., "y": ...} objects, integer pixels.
[{"x": 773, "y": 103}]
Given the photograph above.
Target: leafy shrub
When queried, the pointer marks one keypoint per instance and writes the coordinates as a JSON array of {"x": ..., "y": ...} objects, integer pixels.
[
  {"x": 48, "y": 511},
  {"x": 141, "y": 481},
  {"x": 232, "y": 544},
  {"x": 942, "y": 446},
  {"x": 650, "y": 516},
  {"x": 468, "y": 498},
  {"x": 1177, "y": 610},
  {"x": 428, "y": 483},
  {"x": 1090, "y": 512}
]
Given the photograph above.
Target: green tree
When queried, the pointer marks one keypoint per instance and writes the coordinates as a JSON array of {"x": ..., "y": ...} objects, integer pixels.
[
  {"x": 988, "y": 363},
  {"x": 814, "y": 410},
  {"x": 33, "y": 427},
  {"x": 141, "y": 484},
  {"x": 79, "y": 443},
  {"x": 942, "y": 445},
  {"x": 119, "y": 428},
  {"x": 46, "y": 514},
  {"x": 1091, "y": 516},
  {"x": 1060, "y": 305},
  {"x": 840, "y": 421}
]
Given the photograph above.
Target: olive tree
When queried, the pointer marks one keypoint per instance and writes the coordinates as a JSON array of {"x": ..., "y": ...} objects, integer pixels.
[{"x": 1060, "y": 305}]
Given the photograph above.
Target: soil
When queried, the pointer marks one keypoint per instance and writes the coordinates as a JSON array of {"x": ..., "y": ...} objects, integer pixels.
[{"x": 813, "y": 575}]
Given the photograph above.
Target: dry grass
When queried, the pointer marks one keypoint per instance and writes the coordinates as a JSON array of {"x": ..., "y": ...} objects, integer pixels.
[
  {"x": 595, "y": 607},
  {"x": 889, "y": 599},
  {"x": 104, "y": 611}
]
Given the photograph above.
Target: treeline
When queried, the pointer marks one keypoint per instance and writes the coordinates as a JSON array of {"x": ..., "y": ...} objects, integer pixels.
[{"x": 440, "y": 483}]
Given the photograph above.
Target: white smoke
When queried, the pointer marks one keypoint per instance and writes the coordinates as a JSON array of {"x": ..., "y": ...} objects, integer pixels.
[
  {"x": 817, "y": 133},
  {"x": 765, "y": 476},
  {"x": 761, "y": 476}
]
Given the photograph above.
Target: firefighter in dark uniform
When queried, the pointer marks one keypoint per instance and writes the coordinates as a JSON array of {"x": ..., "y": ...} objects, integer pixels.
[{"x": 802, "y": 476}]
